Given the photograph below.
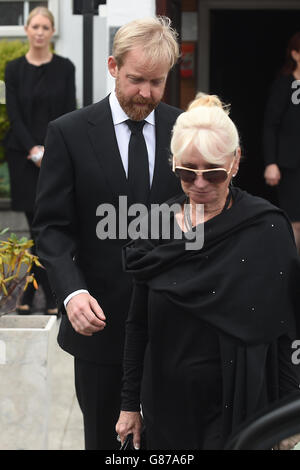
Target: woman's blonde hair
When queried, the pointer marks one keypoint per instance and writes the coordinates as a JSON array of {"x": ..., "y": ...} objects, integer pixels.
[
  {"x": 155, "y": 35},
  {"x": 206, "y": 125},
  {"x": 41, "y": 11}
]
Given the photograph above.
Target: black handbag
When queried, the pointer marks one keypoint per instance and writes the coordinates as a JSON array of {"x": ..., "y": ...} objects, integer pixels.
[{"x": 128, "y": 443}]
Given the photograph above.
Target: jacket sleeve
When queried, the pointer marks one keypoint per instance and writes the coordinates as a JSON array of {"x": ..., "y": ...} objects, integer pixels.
[
  {"x": 13, "y": 107},
  {"x": 70, "y": 88},
  {"x": 276, "y": 106},
  {"x": 135, "y": 343},
  {"x": 55, "y": 225}
]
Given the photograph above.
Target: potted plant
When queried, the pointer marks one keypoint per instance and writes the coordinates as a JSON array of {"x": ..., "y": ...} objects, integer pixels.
[
  {"x": 15, "y": 255},
  {"x": 26, "y": 350}
]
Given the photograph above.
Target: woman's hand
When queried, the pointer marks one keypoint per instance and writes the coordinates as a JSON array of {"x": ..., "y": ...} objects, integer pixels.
[
  {"x": 36, "y": 155},
  {"x": 272, "y": 174},
  {"x": 130, "y": 422},
  {"x": 289, "y": 443}
]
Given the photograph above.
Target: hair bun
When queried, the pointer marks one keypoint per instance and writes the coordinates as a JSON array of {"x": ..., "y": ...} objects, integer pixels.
[{"x": 202, "y": 99}]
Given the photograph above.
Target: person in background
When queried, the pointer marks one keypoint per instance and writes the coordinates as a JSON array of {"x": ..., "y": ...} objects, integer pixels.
[
  {"x": 112, "y": 151},
  {"x": 40, "y": 87},
  {"x": 281, "y": 136},
  {"x": 210, "y": 331}
]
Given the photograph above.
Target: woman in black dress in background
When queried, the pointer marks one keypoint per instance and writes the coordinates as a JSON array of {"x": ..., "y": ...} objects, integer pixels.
[
  {"x": 209, "y": 332},
  {"x": 281, "y": 136},
  {"x": 40, "y": 87}
]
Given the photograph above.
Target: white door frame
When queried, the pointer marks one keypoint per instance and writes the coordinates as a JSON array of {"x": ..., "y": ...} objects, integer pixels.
[{"x": 204, "y": 7}]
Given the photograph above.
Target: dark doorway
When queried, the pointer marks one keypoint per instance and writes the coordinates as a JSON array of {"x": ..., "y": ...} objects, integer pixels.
[{"x": 247, "y": 51}]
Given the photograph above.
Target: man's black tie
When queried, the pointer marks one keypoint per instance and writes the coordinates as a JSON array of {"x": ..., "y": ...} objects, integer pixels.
[{"x": 138, "y": 164}]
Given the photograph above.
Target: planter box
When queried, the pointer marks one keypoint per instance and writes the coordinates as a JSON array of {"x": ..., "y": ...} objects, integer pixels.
[{"x": 26, "y": 351}]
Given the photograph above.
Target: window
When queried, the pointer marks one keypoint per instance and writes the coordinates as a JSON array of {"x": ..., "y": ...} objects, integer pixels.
[
  {"x": 13, "y": 15},
  {"x": 36, "y": 3}
]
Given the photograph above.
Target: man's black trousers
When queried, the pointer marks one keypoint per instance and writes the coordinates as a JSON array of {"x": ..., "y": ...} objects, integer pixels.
[{"x": 98, "y": 390}]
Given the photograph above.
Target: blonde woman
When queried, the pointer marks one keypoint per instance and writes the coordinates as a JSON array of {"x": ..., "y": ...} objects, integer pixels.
[
  {"x": 40, "y": 87},
  {"x": 209, "y": 333}
]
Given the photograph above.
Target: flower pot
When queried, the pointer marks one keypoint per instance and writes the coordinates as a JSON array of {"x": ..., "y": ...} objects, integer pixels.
[{"x": 26, "y": 352}]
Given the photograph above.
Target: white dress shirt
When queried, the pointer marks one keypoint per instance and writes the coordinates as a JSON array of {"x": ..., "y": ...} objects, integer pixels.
[{"x": 123, "y": 136}]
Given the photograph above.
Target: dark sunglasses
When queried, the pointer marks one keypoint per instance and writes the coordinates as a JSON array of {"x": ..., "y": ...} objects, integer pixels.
[{"x": 215, "y": 175}]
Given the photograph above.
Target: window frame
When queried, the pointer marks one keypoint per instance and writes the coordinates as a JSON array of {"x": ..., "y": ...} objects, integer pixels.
[{"x": 17, "y": 31}]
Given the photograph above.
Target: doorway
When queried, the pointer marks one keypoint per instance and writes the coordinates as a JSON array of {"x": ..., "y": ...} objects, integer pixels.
[{"x": 247, "y": 49}]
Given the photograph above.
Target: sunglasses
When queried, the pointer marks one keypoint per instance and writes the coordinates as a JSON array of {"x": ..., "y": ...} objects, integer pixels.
[{"x": 215, "y": 175}]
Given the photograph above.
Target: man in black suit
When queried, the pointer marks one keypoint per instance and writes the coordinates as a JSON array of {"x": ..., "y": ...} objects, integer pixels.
[{"x": 90, "y": 158}]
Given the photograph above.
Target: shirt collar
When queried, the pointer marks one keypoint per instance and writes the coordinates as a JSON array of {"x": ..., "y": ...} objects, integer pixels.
[{"x": 119, "y": 115}]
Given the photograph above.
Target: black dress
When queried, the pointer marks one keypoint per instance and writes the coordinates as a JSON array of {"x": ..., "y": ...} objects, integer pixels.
[
  {"x": 35, "y": 95},
  {"x": 209, "y": 332},
  {"x": 188, "y": 380},
  {"x": 281, "y": 142}
]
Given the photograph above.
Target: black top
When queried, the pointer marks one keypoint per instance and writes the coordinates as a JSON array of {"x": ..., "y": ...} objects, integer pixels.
[
  {"x": 282, "y": 124},
  {"x": 35, "y": 95},
  {"x": 41, "y": 109},
  {"x": 215, "y": 345}
]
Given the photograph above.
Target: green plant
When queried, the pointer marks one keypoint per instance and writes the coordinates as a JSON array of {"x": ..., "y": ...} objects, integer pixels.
[
  {"x": 14, "y": 257},
  {"x": 9, "y": 50},
  {"x": 4, "y": 181}
]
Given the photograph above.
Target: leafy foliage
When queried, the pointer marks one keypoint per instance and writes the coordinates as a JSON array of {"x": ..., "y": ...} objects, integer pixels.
[{"x": 14, "y": 257}]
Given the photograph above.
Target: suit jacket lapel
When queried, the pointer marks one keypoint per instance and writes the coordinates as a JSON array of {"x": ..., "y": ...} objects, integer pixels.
[
  {"x": 104, "y": 142},
  {"x": 163, "y": 127}
]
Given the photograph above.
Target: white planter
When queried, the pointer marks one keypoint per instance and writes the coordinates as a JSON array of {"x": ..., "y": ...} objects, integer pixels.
[{"x": 26, "y": 352}]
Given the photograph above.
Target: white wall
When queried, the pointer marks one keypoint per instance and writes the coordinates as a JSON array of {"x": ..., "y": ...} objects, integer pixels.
[
  {"x": 69, "y": 44},
  {"x": 100, "y": 57},
  {"x": 69, "y": 40},
  {"x": 120, "y": 12}
]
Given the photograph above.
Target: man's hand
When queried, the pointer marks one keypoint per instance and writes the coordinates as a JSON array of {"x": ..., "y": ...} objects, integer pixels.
[
  {"x": 272, "y": 174},
  {"x": 85, "y": 314},
  {"x": 130, "y": 422}
]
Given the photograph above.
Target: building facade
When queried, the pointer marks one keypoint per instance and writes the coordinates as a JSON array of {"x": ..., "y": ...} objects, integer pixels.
[
  {"x": 232, "y": 48},
  {"x": 68, "y": 39}
]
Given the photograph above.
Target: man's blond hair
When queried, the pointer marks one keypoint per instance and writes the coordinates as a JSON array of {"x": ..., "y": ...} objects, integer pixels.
[{"x": 154, "y": 35}]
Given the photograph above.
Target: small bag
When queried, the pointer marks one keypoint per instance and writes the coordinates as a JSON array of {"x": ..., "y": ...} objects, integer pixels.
[{"x": 128, "y": 443}]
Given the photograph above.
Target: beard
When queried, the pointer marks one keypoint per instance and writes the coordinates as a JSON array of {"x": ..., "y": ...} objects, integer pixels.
[{"x": 132, "y": 106}]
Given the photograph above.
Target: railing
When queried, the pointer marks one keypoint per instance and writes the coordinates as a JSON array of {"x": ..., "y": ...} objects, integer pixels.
[{"x": 281, "y": 422}]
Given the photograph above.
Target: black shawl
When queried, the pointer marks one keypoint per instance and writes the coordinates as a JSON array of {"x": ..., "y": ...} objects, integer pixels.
[{"x": 244, "y": 282}]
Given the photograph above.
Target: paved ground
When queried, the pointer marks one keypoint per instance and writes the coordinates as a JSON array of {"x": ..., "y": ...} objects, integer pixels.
[{"x": 66, "y": 426}]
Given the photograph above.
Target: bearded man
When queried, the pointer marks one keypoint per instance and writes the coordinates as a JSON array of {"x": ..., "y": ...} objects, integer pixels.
[{"x": 117, "y": 147}]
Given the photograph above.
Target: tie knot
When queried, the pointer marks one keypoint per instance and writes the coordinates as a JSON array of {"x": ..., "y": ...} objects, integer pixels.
[{"x": 135, "y": 126}]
